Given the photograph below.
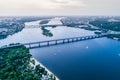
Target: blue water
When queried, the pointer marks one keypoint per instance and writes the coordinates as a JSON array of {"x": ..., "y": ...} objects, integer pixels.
[{"x": 97, "y": 59}]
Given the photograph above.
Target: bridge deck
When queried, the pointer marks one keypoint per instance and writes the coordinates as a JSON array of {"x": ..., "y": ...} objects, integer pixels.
[
  {"x": 55, "y": 42},
  {"x": 45, "y": 25}
]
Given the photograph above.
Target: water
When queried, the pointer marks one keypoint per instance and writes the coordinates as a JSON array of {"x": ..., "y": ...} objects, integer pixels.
[
  {"x": 33, "y": 33},
  {"x": 55, "y": 21},
  {"x": 96, "y": 59}
]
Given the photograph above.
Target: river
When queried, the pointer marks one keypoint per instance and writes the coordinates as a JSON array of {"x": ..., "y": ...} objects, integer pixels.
[{"x": 96, "y": 59}]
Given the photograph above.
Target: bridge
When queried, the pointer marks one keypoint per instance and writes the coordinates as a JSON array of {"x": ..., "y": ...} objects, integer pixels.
[
  {"x": 32, "y": 26},
  {"x": 51, "y": 25},
  {"x": 55, "y": 42},
  {"x": 43, "y": 25}
]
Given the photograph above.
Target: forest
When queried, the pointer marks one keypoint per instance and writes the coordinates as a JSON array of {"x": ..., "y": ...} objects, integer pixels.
[
  {"x": 17, "y": 64},
  {"x": 115, "y": 26}
]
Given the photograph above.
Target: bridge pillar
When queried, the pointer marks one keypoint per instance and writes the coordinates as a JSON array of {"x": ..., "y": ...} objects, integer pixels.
[
  {"x": 39, "y": 44},
  {"x": 48, "y": 43},
  {"x": 56, "y": 42},
  {"x": 68, "y": 41},
  {"x": 76, "y": 39},
  {"x": 63, "y": 41},
  {"x": 29, "y": 46},
  {"x": 73, "y": 40},
  {"x": 80, "y": 39}
]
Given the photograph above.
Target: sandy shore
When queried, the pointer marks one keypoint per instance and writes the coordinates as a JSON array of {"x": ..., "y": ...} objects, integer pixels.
[{"x": 49, "y": 72}]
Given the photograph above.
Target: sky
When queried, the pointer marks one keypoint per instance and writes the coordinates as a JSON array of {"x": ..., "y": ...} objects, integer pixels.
[{"x": 59, "y": 7}]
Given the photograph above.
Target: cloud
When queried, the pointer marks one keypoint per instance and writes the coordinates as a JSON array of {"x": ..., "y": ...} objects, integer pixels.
[
  {"x": 41, "y": 4},
  {"x": 59, "y": 7},
  {"x": 62, "y": 4}
]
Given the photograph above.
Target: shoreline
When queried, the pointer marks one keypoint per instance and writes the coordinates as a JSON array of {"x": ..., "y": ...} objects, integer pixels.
[{"x": 49, "y": 72}]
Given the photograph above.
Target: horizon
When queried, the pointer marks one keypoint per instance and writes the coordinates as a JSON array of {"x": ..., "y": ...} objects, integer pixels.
[{"x": 60, "y": 16}]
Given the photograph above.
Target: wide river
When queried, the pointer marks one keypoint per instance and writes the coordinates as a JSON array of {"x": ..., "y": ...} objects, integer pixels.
[{"x": 96, "y": 59}]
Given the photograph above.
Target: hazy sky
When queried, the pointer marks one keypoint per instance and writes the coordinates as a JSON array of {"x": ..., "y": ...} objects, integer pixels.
[{"x": 59, "y": 7}]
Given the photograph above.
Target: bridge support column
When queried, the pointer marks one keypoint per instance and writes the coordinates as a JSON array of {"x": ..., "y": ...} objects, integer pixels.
[
  {"x": 48, "y": 43},
  {"x": 63, "y": 41},
  {"x": 89, "y": 37},
  {"x": 39, "y": 44},
  {"x": 77, "y": 39},
  {"x": 68, "y": 41},
  {"x": 29, "y": 46},
  {"x": 56, "y": 42},
  {"x": 73, "y": 40}
]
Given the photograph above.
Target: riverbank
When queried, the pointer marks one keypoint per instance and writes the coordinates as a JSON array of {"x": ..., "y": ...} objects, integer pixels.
[
  {"x": 49, "y": 72},
  {"x": 10, "y": 30}
]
